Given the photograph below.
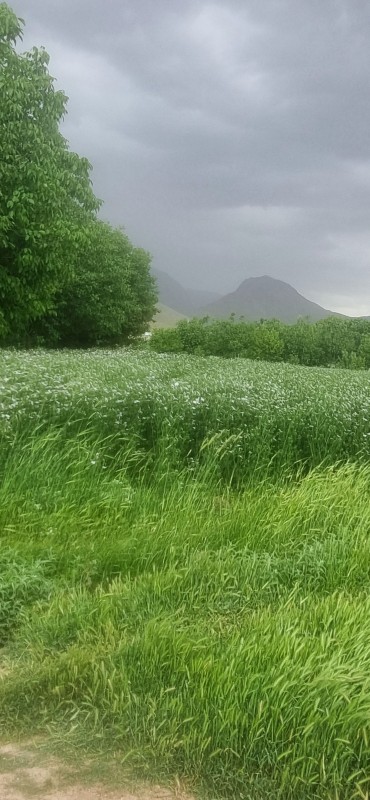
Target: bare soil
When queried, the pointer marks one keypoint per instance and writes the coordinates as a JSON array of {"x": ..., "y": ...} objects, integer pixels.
[{"x": 28, "y": 773}]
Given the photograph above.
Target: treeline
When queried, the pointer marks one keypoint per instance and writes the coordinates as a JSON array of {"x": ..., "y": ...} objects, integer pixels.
[
  {"x": 108, "y": 298},
  {"x": 329, "y": 342},
  {"x": 66, "y": 278}
]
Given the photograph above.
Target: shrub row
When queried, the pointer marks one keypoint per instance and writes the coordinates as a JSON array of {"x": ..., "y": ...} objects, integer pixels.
[{"x": 332, "y": 341}]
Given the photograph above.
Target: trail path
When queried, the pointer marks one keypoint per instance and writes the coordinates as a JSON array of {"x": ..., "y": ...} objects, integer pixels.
[{"x": 27, "y": 773}]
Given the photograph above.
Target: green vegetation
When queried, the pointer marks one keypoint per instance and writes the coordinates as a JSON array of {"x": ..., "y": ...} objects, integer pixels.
[
  {"x": 109, "y": 299},
  {"x": 184, "y": 567},
  {"x": 328, "y": 342},
  {"x": 65, "y": 278},
  {"x": 185, "y": 541}
]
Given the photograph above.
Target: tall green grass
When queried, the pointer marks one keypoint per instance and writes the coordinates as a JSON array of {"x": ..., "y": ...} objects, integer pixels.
[
  {"x": 219, "y": 634},
  {"x": 240, "y": 417},
  {"x": 185, "y": 567}
]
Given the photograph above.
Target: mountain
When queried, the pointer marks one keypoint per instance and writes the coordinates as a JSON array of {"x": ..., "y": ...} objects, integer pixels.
[
  {"x": 266, "y": 298},
  {"x": 166, "y": 317},
  {"x": 177, "y": 297}
]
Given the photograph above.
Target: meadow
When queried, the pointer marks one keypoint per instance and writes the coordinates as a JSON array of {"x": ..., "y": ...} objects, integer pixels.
[{"x": 185, "y": 567}]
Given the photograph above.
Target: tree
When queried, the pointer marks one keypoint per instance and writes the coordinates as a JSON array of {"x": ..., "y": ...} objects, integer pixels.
[
  {"x": 301, "y": 342},
  {"x": 335, "y": 340},
  {"x": 110, "y": 296},
  {"x": 268, "y": 344},
  {"x": 46, "y": 198}
]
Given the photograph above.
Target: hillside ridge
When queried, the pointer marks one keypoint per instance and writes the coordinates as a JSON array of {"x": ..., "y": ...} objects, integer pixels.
[
  {"x": 264, "y": 297},
  {"x": 185, "y": 301}
]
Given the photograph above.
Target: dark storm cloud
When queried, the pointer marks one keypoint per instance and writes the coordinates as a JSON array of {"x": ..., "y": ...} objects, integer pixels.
[{"x": 231, "y": 138}]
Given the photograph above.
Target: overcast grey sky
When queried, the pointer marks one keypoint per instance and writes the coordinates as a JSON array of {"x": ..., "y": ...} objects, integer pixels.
[{"x": 231, "y": 138}]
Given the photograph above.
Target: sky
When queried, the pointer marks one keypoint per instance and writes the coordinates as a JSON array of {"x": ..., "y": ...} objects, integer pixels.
[{"x": 230, "y": 138}]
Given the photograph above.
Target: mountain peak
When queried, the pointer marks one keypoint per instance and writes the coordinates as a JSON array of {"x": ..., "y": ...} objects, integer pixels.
[
  {"x": 264, "y": 297},
  {"x": 257, "y": 297}
]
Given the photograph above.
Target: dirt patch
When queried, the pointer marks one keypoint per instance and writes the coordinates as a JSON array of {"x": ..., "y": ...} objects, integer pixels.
[{"x": 27, "y": 773}]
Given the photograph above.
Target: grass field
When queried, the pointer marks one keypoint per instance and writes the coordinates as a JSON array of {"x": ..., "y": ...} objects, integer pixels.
[{"x": 185, "y": 567}]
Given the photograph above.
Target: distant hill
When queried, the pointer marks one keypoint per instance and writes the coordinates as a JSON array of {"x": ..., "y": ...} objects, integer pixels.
[
  {"x": 167, "y": 317},
  {"x": 266, "y": 298},
  {"x": 175, "y": 296}
]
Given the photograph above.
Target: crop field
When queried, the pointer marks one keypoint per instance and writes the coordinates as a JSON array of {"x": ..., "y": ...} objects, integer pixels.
[{"x": 185, "y": 567}]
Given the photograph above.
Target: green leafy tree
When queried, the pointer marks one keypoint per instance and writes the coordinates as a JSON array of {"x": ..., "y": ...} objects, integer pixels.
[
  {"x": 46, "y": 197},
  {"x": 193, "y": 335},
  {"x": 268, "y": 344},
  {"x": 301, "y": 342},
  {"x": 166, "y": 340},
  {"x": 335, "y": 340},
  {"x": 110, "y": 297},
  {"x": 364, "y": 348}
]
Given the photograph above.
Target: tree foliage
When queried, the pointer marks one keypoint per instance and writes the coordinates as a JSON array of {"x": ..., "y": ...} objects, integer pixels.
[
  {"x": 45, "y": 190},
  {"x": 110, "y": 296},
  {"x": 64, "y": 276},
  {"x": 331, "y": 341}
]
